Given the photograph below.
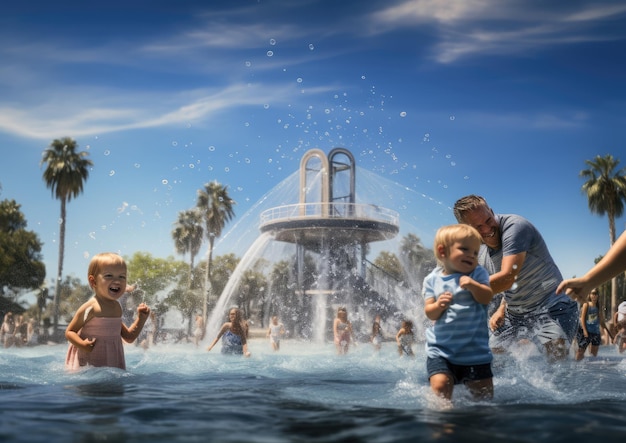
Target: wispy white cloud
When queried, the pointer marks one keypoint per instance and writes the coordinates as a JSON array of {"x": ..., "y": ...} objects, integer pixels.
[
  {"x": 566, "y": 120},
  {"x": 37, "y": 75},
  {"x": 93, "y": 115},
  {"x": 466, "y": 28},
  {"x": 412, "y": 12}
]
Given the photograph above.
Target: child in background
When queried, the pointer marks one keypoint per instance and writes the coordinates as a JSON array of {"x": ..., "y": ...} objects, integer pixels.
[
  {"x": 8, "y": 329},
  {"x": 456, "y": 295},
  {"x": 96, "y": 331},
  {"x": 377, "y": 334},
  {"x": 234, "y": 335},
  {"x": 198, "y": 333},
  {"x": 591, "y": 320},
  {"x": 620, "y": 337},
  {"x": 342, "y": 331},
  {"x": 275, "y": 332},
  {"x": 405, "y": 338}
]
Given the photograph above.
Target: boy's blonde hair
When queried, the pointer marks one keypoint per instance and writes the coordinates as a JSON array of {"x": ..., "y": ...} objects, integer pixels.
[
  {"x": 103, "y": 259},
  {"x": 447, "y": 235}
]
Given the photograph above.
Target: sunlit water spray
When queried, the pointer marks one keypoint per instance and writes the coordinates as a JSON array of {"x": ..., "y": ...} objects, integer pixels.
[{"x": 308, "y": 312}]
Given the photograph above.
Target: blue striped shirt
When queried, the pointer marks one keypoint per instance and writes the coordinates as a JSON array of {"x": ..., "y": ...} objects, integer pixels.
[{"x": 461, "y": 334}]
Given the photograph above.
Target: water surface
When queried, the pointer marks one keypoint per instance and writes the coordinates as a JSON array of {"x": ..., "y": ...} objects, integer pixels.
[{"x": 304, "y": 393}]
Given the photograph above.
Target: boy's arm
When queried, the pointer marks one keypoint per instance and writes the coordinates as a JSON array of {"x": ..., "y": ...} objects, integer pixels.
[
  {"x": 481, "y": 292},
  {"x": 434, "y": 308}
]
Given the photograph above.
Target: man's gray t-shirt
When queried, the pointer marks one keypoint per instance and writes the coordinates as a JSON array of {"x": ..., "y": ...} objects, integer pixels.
[{"x": 539, "y": 277}]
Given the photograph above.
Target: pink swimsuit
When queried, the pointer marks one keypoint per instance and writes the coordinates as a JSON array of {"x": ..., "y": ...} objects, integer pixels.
[{"x": 108, "y": 349}]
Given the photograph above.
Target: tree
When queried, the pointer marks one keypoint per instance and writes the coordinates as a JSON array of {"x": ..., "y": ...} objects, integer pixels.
[
  {"x": 606, "y": 192},
  {"x": 216, "y": 207},
  {"x": 21, "y": 265},
  {"x": 65, "y": 174},
  {"x": 222, "y": 270},
  {"x": 187, "y": 235},
  {"x": 153, "y": 275},
  {"x": 389, "y": 263},
  {"x": 74, "y": 294},
  {"x": 417, "y": 260}
]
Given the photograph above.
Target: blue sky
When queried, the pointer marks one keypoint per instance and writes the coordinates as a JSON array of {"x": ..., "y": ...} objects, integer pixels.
[{"x": 446, "y": 98}]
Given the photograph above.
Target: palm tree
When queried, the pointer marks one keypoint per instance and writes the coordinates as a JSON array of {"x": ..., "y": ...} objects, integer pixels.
[
  {"x": 216, "y": 207},
  {"x": 187, "y": 235},
  {"x": 606, "y": 193},
  {"x": 65, "y": 173}
]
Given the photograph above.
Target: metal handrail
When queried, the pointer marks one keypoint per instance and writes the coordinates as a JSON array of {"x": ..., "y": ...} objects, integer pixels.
[{"x": 354, "y": 211}]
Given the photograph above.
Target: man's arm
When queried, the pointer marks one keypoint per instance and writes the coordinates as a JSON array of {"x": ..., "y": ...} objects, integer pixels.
[{"x": 505, "y": 278}]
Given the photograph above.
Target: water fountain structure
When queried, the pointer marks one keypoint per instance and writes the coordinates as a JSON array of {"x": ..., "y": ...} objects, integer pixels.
[{"x": 311, "y": 257}]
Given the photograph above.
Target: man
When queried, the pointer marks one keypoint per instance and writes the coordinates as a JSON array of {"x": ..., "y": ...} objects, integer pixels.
[{"x": 522, "y": 268}]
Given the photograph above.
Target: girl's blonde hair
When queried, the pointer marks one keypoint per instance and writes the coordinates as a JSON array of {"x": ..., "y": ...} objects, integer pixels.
[
  {"x": 447, "y": 235},
  {"x": 98, "y": 261}
]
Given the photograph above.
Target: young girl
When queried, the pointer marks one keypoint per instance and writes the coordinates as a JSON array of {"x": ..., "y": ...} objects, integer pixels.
[
  {"x": 342, "y": 331},
  {"x": 275, "y": 332},
  {"x": 591, "y": 320},
  {"x": 96, "y": 331},
  {"x": 456, "y": 296},
  {"x": 234, "y": 335},
  {"x": 405, "y": 338}
]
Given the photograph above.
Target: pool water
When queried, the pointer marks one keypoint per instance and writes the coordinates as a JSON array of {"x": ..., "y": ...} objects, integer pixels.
[{"x": 303, "y": 393}]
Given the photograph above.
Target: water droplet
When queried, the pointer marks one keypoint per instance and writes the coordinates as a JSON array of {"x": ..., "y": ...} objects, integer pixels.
[
  {"x": 111, "y": 173},
  {"x": 137, "y": 166},
  {"x": 226, "y": 169},
  {"x": 311, "y": 47},
  {"x": 92, "y": 235},
  {"x": 299, "y": 80},
  {"x": 403, "y": 114},
  {"x": 211, "y": 148},
  {"x": 247, "y": 160},
  {"x": 248, "y": 64},
  {"x": 191, "y": 166},
  {"x": 452, "y": 117},
  {"x": 272, "y": 41},
  {"x": 164, "y": 181},
  {"x": 266, "y": 106},
  {"x": 514, "y": 267},
  {"x": 107, "y": 152},
  {"x": 362, "y": 77},
  {"x": 270, "y": 53},
  {"x": 174, "y": 143}
]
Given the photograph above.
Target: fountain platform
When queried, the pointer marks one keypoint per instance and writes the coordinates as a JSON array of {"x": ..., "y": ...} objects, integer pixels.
[{"x": 312, "y": 224}]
